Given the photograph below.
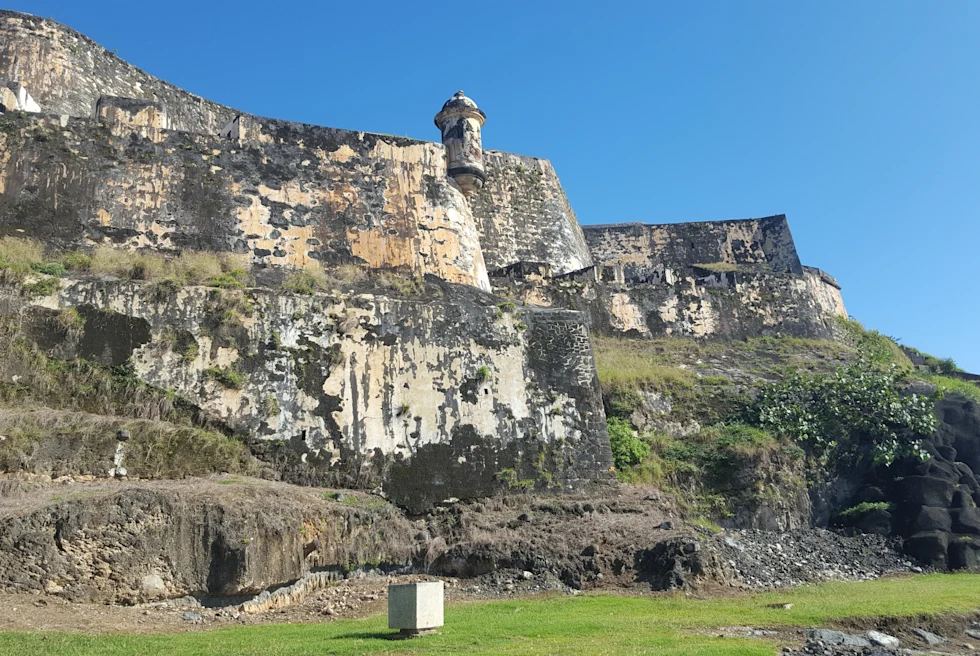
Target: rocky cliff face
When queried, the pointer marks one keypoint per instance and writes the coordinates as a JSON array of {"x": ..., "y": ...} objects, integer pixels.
[
  {"x": 931, "y": 504},
  {"x": 140, "y": 542}
]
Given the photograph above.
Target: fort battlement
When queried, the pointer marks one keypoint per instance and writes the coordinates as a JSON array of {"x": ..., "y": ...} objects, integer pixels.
[
  {"x": 430, "y": 393},
  {"x": 205, "y": 176}
]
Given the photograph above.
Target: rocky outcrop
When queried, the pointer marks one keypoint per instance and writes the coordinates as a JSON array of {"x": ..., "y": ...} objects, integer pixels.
[
  {"x": 135, "y": 542},
  {"x": 932, "y": 504}
]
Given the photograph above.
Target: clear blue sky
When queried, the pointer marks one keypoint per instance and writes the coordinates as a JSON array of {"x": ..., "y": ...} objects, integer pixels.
[{"x": 858, "y": 120}]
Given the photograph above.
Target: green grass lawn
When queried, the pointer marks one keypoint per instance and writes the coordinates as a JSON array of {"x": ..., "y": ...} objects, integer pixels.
[{"x": 586, "y": 624}]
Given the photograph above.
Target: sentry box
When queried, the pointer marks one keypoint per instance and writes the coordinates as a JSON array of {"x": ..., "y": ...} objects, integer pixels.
[{"x": 415, "y": 608}]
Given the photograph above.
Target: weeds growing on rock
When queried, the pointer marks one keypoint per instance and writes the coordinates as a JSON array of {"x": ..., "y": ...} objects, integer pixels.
[
  {"x": 224, "y": 270},
  {"x": 227, "y": 376}
]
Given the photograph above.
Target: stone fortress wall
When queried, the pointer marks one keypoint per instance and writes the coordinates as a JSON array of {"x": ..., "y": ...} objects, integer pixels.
[
  {"x": 637, "y": 253},
  {"x": 384, "y": 201},
  {"x": 732, "y": 279},
  {"x": 94, "y": 151},
  {"x": 429, "y": 394}
]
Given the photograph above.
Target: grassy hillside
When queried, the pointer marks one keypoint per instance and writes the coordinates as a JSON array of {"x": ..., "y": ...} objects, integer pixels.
[{"x": 568, "y": 625}]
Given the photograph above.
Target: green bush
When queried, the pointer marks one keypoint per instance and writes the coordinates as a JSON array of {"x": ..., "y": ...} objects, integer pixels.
[
  {"x": 627, "y": 448},
  {"x": 50, "y": 268},
  {"x": 859, "y": 405},
  {"x": 956, "y": 386},
  {"x": 622, "y": 401},
  {"x": 77, "y": 262}
]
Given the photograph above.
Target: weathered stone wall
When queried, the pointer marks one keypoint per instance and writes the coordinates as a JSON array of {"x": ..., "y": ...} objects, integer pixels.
[
  {"x": 523, "y": 216},
  {"x": 432, "y": 396},
  {"x": 299, "y": 193},
  {"x": 66, "y": 73},
  {"x": 635, "y": 252},
  {"x": 727, "y": 305}
]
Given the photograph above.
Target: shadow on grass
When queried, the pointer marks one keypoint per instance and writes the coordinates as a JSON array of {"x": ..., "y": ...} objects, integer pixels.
[{"x": 372, "y": 635}]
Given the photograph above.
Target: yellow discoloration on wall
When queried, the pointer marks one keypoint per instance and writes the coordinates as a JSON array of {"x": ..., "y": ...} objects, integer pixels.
[
  {"x": 342, "y": 154},
  {"x": 828, "y": 296},
  {"x": 626, "y": 315}
]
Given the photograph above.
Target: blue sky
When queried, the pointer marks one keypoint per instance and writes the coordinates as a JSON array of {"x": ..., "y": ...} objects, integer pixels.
[{"x": 858, "y": 120}]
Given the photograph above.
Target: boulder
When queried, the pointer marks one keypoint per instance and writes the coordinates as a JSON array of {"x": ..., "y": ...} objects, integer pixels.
[
  {"x": 963, "y": 499},
  {"x": 966, "y": 520},
  {"x": 879, "y": 639},
  {"x": 964, "y": 553},
  {"x": 876, "y": 521},
  {"x": 927, "y": 491},
  {"x": 831, "y": 637},
  {"x": 929, "y": 547},
  {"x": 930, "y": 518},
  {"x": 930, "y": 638}
]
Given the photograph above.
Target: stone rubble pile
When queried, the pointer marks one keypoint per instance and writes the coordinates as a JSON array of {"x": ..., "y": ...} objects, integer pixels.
[
  {"x": 764, "y": 559},
  {"x": 828, "y": 642}
]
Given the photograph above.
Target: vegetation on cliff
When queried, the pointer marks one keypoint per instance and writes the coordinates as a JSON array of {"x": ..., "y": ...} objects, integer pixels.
[{"x": 725, "y": 425}]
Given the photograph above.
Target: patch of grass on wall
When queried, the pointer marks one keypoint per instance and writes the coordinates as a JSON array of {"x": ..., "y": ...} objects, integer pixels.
[
  {"x": 189, "y": 268},
  {"x": 59, "y": 442},
  {"x": 79, "y": 384}
]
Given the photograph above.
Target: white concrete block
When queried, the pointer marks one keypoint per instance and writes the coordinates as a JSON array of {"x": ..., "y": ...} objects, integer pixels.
[{"x": 415, "y": 607}]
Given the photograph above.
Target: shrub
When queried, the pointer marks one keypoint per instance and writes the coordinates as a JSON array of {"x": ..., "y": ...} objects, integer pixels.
[
  {"x": 867, "y": 506},
  {"x": 875, "y": 347},
  {"x": 50, "y": 268},
  {"x": 226, "y": 270},
  {"x": 627, "y": 448},
  {"x": 947, "y": 366},
  {"x": 834, "y": 415},
  {"x": 404, "y": 285},
  {"x": 77, "y": 262},
  {"x": 71, "y": 320},
  {"x": 307, "y": 281},
  {"x": 270, "y": 405},
  {"x": 622, "y": 401},
  {"x": 483, "y": 373},
  {"x": 956, "y": 386}
]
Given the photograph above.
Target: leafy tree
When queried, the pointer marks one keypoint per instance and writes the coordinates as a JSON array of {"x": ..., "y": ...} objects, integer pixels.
[{"x": 857, "y": 406}]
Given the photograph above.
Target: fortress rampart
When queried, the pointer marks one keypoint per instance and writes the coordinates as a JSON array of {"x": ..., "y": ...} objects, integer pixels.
[
  {"x": 430, "y": 393},
  {"x": 382, "y": 201}
]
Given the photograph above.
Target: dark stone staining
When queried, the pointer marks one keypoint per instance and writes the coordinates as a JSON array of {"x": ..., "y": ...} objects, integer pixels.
[
  {"x": 110, "y": 337},
  {"x": 470, "y": 465}
]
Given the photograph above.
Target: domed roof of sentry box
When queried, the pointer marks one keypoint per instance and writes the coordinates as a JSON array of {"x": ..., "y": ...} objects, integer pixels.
[{"x": 459, "y": 99}]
